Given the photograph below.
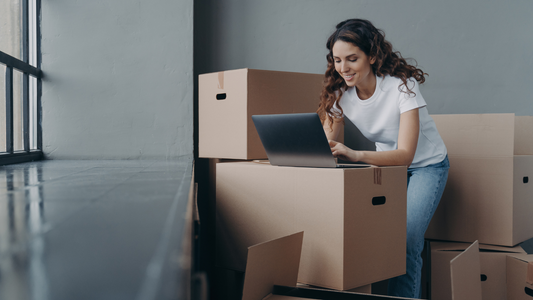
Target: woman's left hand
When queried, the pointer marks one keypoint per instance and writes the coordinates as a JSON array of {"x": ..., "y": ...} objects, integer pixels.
[{"x": 339, "y": 150}]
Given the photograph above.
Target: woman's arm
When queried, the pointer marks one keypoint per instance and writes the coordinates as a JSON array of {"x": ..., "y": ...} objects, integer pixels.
[
  {"x": 403, "y": 156},
  {"x": 332, "y": 130}
]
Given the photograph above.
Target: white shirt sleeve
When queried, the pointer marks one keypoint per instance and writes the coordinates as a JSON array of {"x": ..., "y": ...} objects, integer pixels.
[{"x": 407, "y": 100}]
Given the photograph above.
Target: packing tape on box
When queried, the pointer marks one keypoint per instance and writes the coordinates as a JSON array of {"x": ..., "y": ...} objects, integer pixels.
[
  {"x": 221, "y": 80},
  {"x": 377, "y": 176},
  {"x": 529, "y": 278}
]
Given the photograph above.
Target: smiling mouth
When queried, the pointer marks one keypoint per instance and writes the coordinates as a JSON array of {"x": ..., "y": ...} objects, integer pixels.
[{"x": 348, "y": 77}]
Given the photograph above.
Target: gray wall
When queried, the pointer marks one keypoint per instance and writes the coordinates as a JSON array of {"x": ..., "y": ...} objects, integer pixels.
[
  {"x": 118, "y": 79},
  {"x": 478, "y": 53}
]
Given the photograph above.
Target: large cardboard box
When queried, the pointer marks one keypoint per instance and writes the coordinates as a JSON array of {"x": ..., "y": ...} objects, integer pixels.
[
  {"x": 492, "y": 269},
  {"x": 354, "y": 219},
  {"x": 489, "y": 190},
  {"x": 520, "y": 277},
  {"x": 227, "y": 100}
]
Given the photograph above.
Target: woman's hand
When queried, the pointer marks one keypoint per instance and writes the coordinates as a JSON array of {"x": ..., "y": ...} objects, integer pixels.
[
  {"x": 402, "y": 156},
  {"x": 339, "y": 150}
]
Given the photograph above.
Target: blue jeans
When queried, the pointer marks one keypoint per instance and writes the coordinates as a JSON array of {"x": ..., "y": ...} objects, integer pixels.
[{"x": 424, "y": 190}]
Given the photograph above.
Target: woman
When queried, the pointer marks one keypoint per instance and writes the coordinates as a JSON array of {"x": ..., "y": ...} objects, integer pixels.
[{"x": 375, "y": 88}]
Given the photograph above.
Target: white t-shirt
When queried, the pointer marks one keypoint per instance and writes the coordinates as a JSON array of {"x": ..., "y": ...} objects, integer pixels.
[{"x": 378, "y": 118}]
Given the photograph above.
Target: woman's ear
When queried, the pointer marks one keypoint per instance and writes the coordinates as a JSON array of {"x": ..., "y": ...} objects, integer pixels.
[{"x": 372, "y": 60}]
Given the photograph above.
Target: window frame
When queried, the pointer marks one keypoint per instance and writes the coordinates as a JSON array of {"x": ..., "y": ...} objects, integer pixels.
[{"x": 27, "y": 70}]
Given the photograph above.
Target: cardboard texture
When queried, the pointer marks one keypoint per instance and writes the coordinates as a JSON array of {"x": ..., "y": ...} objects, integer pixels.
[
  {"x": 518, "y": 271},
  {"x": 365, "y": 289},
  {"x": 487, "y": 196},
  {"x": 272, "y": 263},
  {"x": 529, "y": 279},
  {"x": 464, "y": 274},
  {"x": 492, "y": 269},
  {"x": 227, "y": 100},
  {"x": 349, "y": 240}
]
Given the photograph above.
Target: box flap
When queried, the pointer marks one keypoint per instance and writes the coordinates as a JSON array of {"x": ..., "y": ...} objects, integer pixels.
[
  {"x": 523, "y": 138},
  {"x": 465, "y": 274},
  {"x": 272, "y": 263},
  {"x": 518, "y": 271},
  {"x": 516, "y": 249},
  {"x": 479, "y": 135},
  {"x": 523, "y": 257},
  {"x": 454, "y": 246},
  {"x": 449, "y": 246},
  {"x": 527, "y": 258}
]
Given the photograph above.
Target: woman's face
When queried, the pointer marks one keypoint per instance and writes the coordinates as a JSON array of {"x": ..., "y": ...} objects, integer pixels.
[{"x": 353, "y": 64}]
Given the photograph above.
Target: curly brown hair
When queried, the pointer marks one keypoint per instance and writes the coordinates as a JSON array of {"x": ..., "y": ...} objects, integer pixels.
[{"x": 371, "y": 41}]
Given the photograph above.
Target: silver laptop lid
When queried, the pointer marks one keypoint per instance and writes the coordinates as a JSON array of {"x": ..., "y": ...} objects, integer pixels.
[{"x": 294, "y": 140}]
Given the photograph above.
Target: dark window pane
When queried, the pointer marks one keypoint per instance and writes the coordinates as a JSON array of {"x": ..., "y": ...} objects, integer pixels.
[{"x": 2, "y": 108}]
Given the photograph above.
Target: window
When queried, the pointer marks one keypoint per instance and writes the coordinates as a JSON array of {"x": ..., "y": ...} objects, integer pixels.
[{"x": 20, "y": 82}]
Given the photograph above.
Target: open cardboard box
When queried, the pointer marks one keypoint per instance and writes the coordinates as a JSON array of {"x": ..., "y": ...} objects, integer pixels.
[
  {"x": 227, "y": 100},
  {"x": 492, "y": 269},
  {"x": 520, "y": 277},
  {"x": 354, "y": 219},
  {"x": 272, "y": 271},
  {"x": 490, "y": 183},
  {"x": 464, "y": 274}
]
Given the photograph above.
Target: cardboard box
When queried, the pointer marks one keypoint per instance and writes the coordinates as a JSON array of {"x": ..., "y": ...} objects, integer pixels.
[
  {"x": 492, "y": 269},
  {"x": 489, "y": 189},
  {"x": 354, "y": 219},
  {"x": 272, "y": 267},
  {"x": 520, "y": 277},
  {"x": 227, "y": 100}
]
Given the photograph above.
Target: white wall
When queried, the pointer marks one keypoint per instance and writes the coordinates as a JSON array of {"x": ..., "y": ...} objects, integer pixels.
[
  {"x": 118, "y": 79},
  {"x": 477, "y": 52}
]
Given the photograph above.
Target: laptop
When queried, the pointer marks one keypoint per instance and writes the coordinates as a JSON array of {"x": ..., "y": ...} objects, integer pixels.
[{"x": 296, "y": 140}]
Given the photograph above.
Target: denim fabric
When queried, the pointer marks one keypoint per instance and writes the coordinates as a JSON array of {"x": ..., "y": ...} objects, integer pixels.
[{"x": 424, "y": 190}]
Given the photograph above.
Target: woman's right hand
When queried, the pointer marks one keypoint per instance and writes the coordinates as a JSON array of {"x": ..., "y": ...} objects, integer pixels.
[{"x": 339, "y": 150}]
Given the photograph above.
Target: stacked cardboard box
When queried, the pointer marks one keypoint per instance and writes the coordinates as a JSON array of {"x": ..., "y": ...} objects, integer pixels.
[
  {"x": 226, "y": 102},
  {"x": 354, "y": 219},
  {"x": 487, "y": 197}
]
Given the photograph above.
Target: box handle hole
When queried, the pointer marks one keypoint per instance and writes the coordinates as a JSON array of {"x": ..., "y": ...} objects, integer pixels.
[
  {"x": 379, "y": 200},
  {"x": 526, "y": 179},
  {"x": 528, "y": 291},
  {"x": 221, "y": 96},
  {"x": 483, "y": 277}
]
